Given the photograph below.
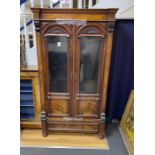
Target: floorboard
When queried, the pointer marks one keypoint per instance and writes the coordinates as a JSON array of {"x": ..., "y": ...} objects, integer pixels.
[
  {"x": 115, "y": 142},
  {"x": 35, "y": 138}
]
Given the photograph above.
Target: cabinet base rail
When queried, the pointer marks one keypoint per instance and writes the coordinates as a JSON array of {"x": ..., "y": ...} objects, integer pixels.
[{"x": 71, "y": 126}]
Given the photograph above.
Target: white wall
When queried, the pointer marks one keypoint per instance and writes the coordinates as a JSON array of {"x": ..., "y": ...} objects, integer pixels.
[
  {"x": 126, "y": 7},
  {"x": 31, "y": 57}
]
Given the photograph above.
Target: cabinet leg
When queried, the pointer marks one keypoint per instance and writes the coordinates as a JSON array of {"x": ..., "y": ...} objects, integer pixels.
[
  {"x": 44, "y": 124},
  {"x": 101, "y": 130}
]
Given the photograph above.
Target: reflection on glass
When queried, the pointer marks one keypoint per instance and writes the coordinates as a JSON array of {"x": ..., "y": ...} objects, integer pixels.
[
  {"x": 89, "y": 64},
  {"x": 57, "y": 59}
]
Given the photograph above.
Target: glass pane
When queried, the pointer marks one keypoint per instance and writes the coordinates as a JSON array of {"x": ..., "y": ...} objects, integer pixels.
[
  {"x": 57, "y": 59},
  {"x": 89, "y": 64}
]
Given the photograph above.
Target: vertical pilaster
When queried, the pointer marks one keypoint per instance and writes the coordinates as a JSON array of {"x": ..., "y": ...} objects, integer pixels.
[
  {"x": 101, "y": 127},
  {"x": 107, "y": 64},
  {"x": 106, "y": 77}
]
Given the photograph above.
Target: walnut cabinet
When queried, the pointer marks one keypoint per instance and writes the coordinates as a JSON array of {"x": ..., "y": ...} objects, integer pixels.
[{"x": 74, "y": 49}]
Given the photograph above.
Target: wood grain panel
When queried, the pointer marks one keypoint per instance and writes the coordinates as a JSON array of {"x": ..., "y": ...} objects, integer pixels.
[
  {"x": 59, "y": 106},
  {"x": 30, "y": 124},
  {"x": 73, "y": 16},
  {"x": 87, "y": 107},
  {"x": 34, "y": 138},
  {"x": 74, "y": 126}
]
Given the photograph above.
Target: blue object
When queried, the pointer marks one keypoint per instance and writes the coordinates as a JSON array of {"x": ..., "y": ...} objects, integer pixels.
[
  {"x": 27, "y": 24},
  {"x": 54, "y": 4},
  {"x": 121, "y": 80},
  {"x": 22, "y": 1},
  {"x": 26, "y": 100}
]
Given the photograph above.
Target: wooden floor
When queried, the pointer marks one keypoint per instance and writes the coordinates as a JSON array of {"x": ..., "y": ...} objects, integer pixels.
[{"x": 35, "y": 138}]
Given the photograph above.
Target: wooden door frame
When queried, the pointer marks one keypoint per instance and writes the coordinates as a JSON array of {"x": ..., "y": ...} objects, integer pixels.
[
  {"x": 101, "y": 31},
  {"x": 61, "y": 30}
]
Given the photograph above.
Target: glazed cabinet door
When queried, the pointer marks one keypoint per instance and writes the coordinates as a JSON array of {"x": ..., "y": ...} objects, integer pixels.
[
  {"x": 89, "y": 70},
  {"x": 58, "y": 70}
]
